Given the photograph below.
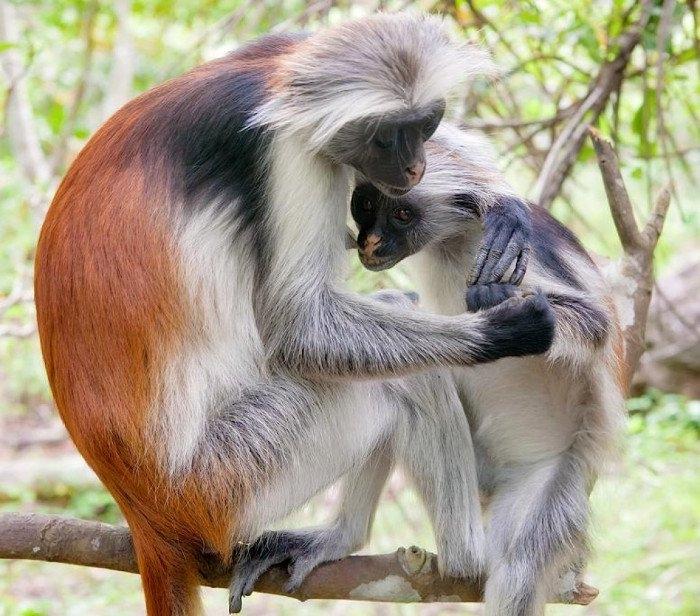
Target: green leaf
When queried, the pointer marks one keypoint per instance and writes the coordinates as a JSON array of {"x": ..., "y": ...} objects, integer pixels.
[{"x": 641, "y": 123}]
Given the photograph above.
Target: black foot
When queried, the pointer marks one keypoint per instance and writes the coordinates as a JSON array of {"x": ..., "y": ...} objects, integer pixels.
[
  {"x": 301, "y": 550},
  {"x": 506, "y": 242}
]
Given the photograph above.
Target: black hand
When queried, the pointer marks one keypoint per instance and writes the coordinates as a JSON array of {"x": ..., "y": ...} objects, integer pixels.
[
  {"x": 507, "y": 233},
  {"x": 484, "y": 296}
]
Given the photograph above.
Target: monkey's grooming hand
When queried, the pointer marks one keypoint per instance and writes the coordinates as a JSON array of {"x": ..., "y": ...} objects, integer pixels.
[
  {"x": 519, "y": 326},
  {"x": 485, "y": 296},
  {"x": 506, "y": 239}
]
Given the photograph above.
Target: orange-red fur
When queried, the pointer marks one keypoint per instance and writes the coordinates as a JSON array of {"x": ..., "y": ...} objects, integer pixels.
[{"x": 111, "y": 308}]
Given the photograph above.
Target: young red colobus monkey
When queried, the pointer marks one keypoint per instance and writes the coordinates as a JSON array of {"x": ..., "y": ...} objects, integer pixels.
[
  {"x": 199, "y": 343},
  {"x": 541, "y": 427}
]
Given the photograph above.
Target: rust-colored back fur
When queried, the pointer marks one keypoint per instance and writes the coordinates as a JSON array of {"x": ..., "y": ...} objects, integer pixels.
[{"x": 111, "y": 309}]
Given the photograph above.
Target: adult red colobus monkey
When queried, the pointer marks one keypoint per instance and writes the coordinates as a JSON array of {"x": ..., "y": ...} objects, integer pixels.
[{"x": 200, "y": 347}]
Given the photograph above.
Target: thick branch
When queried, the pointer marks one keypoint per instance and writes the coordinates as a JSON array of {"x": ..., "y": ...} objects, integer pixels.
[{"x": 406, "y": 576}]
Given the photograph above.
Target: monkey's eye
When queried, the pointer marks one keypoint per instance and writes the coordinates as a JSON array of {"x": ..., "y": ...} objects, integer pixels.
[
  {"x": 430, "y": 126},
  {"x": 384, "y": 138},
  {"x": 382, "y": 144},
  {"x": 367, "y": 205},
  {"x": 403, "y": 215}
]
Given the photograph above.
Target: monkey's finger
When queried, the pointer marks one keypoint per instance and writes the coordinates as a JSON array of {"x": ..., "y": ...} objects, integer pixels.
[
  {"x": 511, "y": 252},
  {"x": 520, "y": 266},
  {"x": 482, "y": 254},
  {"x": 496, "y": 251}
]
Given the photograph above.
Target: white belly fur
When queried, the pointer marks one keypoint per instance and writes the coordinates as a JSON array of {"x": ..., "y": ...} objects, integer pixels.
[{"x": 522, "y": 409}]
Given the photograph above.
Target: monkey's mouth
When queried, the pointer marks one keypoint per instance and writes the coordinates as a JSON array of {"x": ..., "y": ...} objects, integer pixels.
[
  {"x": 377, "y": 264},
  {"x": 392, "y": 191}
]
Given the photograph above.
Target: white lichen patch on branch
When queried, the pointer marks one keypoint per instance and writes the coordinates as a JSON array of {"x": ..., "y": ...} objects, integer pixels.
[{"x": 392, "y": 588}]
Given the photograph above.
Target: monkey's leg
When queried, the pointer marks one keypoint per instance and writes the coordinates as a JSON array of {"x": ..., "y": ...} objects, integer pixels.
[
  {"x": 306, "y": 548},
  {"x": 338, "y": 429},
  {"x": 538, "y": 526},
  {"x": 435, "y": 447}
]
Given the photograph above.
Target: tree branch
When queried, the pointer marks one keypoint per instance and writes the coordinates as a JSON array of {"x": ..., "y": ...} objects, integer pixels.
[
  {"x": 568, "y": 143},
  {"x": 620, "y": 204},
  {"x": 634, "y": 281},
  {"x": 59, "y": 156},
  {"x": 121, "y": 77},
  {"x": 19, "y": 119},
  {"x": 405, "y": 576}
]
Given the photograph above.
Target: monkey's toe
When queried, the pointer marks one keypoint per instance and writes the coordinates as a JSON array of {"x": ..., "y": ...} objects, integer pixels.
[
  {"x": 299, "y": 569},
  {"x": 245, "y": 574}
]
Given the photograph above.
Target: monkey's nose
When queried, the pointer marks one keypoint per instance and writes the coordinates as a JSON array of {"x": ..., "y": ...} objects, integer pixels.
[
  {"x": 414, "y": 173},
  {"x": 372, "y": 242}
]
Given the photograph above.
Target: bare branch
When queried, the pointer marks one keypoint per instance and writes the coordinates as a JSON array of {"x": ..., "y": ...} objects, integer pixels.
[
  {"x": 19, "y": 118},
  {"x": 119, "y": 86},
  {"x": 12, "y": 330},
  {"x": 652, "y": 230},
  {"x": 620, "y": 204},
  {"x": 58, "y": 158},
  {"x": 501, "y": 124},
  {"x": 406, "y": 576},
  {"x": 662, "y": 35},
  {"x": 483, "y": 20}
]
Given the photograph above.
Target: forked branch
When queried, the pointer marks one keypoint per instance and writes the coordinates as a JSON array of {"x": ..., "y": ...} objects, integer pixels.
[{"x": 634, "y": 281}]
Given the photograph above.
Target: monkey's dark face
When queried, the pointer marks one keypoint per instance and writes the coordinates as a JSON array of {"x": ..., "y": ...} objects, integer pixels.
[
  {"x": 390, "y": 228},
  {"x": 389, "y": 151}
]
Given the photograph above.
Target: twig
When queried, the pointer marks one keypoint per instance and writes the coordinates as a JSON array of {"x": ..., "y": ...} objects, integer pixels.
[
  {"x": 620, "y": 204},
  {"x": 663, "y": 32},
  {"x": 406, "y": 576},
  {"x": 121, "y": 77},
  {"x": 12, "y": 330},
  {"x": 501, "y": 124},
  {"x": 58, "y": 158}
]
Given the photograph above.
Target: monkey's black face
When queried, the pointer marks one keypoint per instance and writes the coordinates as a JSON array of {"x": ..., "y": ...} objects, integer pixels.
[
  {"x": 389, "y": 152},
  {"x": 389, "y": 227}
]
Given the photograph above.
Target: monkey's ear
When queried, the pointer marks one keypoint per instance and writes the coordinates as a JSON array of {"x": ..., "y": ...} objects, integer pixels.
[{"x": 467, "y": 202}]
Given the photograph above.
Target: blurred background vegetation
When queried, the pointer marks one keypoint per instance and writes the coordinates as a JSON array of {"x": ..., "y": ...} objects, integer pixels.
[{"x": 68, "y": 64}]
